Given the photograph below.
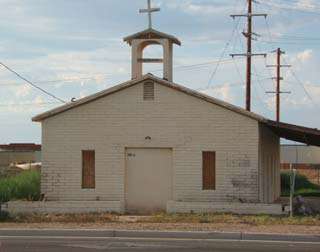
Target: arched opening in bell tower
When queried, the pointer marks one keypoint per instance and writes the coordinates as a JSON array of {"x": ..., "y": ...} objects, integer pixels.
[{"x": 153, "y": 55}]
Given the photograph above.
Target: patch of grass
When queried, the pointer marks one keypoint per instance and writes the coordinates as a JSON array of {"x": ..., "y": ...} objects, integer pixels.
[
  {"x": 64, "y": 218},
  {"x": 212, "y": 218},
  {"x": 302, "y": 182},
  {"x": 163, "y": 218},
  {"x": 4, "y": 216},
  {"x": 23, "y": 186},
  {"x": 303, "y": 193},
  {"x": 303, "y": 186}
]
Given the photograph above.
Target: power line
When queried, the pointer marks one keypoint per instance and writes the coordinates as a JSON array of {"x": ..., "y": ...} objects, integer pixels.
[
  {"x": 294, "y": 37},
  {"x": 32, "y": 84},
  {"x": 223, "y": 53},
  {"x": 195, "y": 66},
  {"x": 104, "y": 76},
  {"x": 281, "y": 6},
  {"x": 235, "y": 28},
  {"x": 302, "y": 85},
  {"x": 66, "y": 81},
  {"x": 28, "y": 104},
  {"x": 232, "y": 84},
  {"x": 255, "y": 72},
  {"x": 249, "y": 34},
  {"x": 287, "y": 42}
]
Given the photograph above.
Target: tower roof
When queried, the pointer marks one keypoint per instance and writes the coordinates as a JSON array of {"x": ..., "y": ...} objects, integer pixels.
[{"x": 151, "y": 34}]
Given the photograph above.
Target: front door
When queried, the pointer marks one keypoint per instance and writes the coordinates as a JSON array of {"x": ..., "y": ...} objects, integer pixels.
[{"x": 148, "y": 180}]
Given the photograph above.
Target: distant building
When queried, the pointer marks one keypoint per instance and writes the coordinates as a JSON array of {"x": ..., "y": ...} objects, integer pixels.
[
  {"x": 16, "y": 153},
  {"x": 306, "y": 159}
]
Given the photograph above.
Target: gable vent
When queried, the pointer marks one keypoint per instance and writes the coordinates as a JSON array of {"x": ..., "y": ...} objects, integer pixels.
[{"x": 148, "y": 91}]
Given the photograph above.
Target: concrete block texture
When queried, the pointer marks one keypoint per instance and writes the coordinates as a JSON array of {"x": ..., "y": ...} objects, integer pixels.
[
  {"x": 176, "y": 120},
  {"x": 224, "y": 207},
  {"x": 15, "y": 207}
]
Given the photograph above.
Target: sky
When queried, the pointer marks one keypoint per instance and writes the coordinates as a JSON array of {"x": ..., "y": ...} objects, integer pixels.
[{"x": 75, "y": 48}]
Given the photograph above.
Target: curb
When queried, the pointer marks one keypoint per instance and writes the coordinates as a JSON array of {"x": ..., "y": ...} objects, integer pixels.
[
  {"x": 179, "y": 235},
  {"x": 240, "y": 236}
]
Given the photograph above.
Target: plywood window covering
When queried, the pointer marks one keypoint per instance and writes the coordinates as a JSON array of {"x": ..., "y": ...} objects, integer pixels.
[
  {"x": 148, "y": 91},
  {"x": 88, "y": 169},
  {"x": 209, "y": 170}
]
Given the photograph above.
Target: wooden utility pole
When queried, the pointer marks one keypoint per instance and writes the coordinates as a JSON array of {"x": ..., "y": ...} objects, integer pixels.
[
  {"x": 249, "y": 52},
  {"x": 249, "y": 35},
  {"x": 278, "y": 79}
]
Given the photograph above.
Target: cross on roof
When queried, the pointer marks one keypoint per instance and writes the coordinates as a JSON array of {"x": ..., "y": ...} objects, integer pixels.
[{"x": 149, "y": 10}]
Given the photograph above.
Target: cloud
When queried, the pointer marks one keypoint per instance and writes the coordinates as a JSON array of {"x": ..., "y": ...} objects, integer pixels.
[
  {"x": 305, "y": 4},
  {"x": 300, "y": 99},
  {"x": 48, "y": 40},
  {"x": 38, "y": 100},
  {"x": 305, "y": 56},
  {"x": 26, "y": 106},
  {"x": 22, "y": 91},
  {"x": 222, "y": 92},
  {"x": 18, "y": 15},
  {"x": 83, "y": 93}
]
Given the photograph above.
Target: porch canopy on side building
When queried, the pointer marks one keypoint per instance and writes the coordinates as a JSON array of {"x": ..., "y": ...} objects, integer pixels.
[{"x": 295, "y": 133}]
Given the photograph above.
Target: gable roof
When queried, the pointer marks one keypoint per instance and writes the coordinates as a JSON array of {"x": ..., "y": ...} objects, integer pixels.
[
  {"x": 151, "y": 34},
  {"x": 289, "y": 131},
  {"x": 131, "y": 83}
]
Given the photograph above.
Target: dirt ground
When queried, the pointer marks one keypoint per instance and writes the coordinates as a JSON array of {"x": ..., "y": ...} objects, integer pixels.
[
  {"x": 169, "y": 223},
  {"x": 219, "y": 227}
]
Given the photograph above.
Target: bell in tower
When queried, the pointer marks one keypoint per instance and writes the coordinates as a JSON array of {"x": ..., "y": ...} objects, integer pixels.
[{"x": 139, "y": 41}]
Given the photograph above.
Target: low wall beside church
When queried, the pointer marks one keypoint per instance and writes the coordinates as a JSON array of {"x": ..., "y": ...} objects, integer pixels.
[
  {"x": 224, "y": 207},
  {"x": 15, "y": 207}
]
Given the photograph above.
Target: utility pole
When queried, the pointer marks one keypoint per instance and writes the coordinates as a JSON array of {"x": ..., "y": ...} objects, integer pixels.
[
  {"x": 249, "y": 35},
  {"x": 278, "y": 79}
]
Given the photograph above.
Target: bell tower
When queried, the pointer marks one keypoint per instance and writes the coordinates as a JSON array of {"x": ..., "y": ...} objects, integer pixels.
[{"x": 139, "y": 41}]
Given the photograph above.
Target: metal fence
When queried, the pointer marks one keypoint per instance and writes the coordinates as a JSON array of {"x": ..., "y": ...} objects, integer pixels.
[{"x": 311, "y": 171}]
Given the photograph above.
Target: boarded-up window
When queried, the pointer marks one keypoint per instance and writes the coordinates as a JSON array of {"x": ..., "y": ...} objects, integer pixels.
[
  {"x": 208, "y": 170},
  {"x": 88, "y": 169},
  {"x": 148, "y": 91}
]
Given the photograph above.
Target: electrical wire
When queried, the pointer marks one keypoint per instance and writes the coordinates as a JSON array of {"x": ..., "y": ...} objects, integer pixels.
[
  {"x": 292, "y": 8},
  {"x": 235, "y": 28},
  {"x": 31, "y": 83},
  {"x": 73, "y": 80},
  {"x": 302, "y": 85},
  {"x": 28, "y": 104}
]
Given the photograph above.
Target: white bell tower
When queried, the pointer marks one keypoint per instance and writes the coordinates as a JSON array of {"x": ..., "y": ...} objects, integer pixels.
[{"x": 139, "y": 41}]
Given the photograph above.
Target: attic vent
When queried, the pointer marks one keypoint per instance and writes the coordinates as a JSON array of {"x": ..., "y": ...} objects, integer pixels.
[{"x": 148, "y": 91}]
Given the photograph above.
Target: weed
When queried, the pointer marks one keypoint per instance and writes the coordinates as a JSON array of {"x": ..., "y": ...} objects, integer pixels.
[{"x": 23, "y": 186}]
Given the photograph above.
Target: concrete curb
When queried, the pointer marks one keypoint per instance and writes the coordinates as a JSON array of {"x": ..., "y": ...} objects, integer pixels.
[
  {"x": 178, "y": 235},
  {"x": 157, "y": 235}
]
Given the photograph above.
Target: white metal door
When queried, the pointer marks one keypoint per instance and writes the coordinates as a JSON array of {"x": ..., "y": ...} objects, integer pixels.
[{"x": 148, "y": 179}]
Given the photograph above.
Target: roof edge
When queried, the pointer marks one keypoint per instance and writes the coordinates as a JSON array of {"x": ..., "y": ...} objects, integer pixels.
[
  {"x": 87, "y": 99},
  {"x": 150, "y": 30},
  {"x": 71, "y": 105}
]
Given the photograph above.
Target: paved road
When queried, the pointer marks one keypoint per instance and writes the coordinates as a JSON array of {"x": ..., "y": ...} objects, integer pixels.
[{"x": 95, "y": 241}]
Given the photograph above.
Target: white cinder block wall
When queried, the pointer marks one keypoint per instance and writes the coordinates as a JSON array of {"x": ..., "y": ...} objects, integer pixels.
[
  {"x": 174, "y": 120},
  {"x": 270, "y": 188}
]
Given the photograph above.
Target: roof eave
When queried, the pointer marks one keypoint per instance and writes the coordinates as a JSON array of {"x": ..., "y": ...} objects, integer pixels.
[
  {"x": 129, "y": 38},
  {"x": 85, "y": 100},
  {"x": 119, "y": 87},
  {"x": 295, "y": 133}
]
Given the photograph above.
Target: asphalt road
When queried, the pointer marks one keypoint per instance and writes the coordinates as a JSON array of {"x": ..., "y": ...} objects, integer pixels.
[{"x": 91, "y": 244}]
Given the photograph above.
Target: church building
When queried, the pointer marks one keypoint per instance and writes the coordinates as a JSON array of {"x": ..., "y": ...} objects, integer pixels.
[{"x": 150, "y": 145}]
